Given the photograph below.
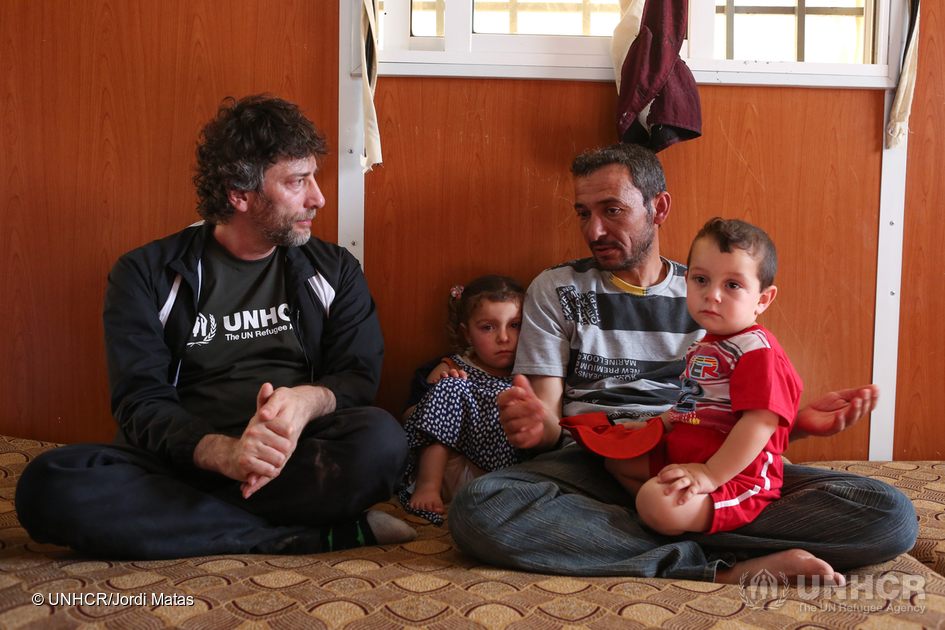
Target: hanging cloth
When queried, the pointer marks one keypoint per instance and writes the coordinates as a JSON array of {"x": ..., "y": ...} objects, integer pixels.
[
  {"x": 657, "y": 98},
  {"x": 372, "y": 135},
  {"x": 898, "y": 127}
]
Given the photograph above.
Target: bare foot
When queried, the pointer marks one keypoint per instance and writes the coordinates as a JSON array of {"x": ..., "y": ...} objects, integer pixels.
[
  {"x": 793, "y": 563},
  {"x": 427, "y": 497}
]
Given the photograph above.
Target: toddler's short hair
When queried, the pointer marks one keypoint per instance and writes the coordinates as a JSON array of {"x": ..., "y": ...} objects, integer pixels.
[{"x": 729, "y": 233}]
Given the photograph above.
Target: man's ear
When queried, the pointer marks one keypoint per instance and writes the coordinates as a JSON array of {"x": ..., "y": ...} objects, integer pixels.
[
  {"x": 239, "y": 199},
  {"x": 661, "y": 204},
  {"x": 766, "y": 298}
]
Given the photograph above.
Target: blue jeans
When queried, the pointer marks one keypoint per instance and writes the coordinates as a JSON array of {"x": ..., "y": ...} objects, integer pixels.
[
  {"x": 119, "y": 501},
  {"x": 563, "y": 513}
]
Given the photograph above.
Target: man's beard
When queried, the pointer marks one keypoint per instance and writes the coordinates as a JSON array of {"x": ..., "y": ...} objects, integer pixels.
[
  {"x": 639, "y": 250},
  {"x": 279, "y": 230}
]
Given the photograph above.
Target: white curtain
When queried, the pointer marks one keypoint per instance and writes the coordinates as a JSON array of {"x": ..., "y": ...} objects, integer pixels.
[
  {"x": 372, "y": 136},
  {"x": 631, "y": 12},
  {"x": 898, "y": 126}
]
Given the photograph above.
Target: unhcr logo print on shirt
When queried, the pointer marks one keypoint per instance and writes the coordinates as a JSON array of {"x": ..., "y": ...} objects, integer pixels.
[{"x": 241, "y": 325}]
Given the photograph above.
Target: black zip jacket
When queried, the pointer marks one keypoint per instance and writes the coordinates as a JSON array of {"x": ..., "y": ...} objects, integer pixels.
[{"x": 150, "y": 312}]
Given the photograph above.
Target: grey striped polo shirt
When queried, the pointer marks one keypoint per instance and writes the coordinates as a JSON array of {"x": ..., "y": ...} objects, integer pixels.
[{"x": 619, "y": 348}]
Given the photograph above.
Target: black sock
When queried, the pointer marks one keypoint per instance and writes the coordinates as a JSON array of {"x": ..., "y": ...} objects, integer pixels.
[{"x": 347, "y": 535}]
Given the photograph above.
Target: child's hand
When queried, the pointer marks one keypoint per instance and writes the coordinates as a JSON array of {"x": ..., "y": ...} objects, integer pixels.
[
  {"x": 687, "y": 479},
  {"x": 443, "y": 370},
  {"x": 451, "y": 373}
]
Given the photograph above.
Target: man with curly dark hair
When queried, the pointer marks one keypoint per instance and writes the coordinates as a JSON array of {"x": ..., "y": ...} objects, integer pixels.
[
  {"x": 276, "y": 129},
  {"x": 241, "y": 354}
]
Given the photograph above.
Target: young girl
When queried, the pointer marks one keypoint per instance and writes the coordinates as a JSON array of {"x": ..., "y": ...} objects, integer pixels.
[{"x": 454, "y": 431}]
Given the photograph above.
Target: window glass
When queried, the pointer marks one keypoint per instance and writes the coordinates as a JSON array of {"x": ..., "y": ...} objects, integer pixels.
[
  {"x": 834, "y": 39},
  {"x": 426, "y": 17},
  {"x": 764, "y": 37},
  {"x": 762, "y": 30},
  {"x": 603, "y": 24},
  {"x": 492, "y": 22},
  {"x": 820, "y": 31},
  {"x": 551, "y": 23},
  {"x": 835, "y": 3},
  {"x": 729, "y": 41},
  {"x": 765, "y": 3},
  {"x": 423, "y": 24},
  {"x": 564, "y": 17},
  {"x": 718, "y": 42}
]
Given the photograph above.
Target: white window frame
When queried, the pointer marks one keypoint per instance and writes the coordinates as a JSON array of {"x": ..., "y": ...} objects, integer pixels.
[{"x": 462, "y": 53}]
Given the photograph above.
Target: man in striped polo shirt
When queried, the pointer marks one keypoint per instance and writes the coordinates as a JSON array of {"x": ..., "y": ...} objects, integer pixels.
[{"x": 609, "y": 333}]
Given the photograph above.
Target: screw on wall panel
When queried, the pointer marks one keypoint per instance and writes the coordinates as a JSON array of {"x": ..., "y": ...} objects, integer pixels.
[
  {"x": 350, "y": 150},
  {"x": 892, "y": 223},
  {"x": 892, "y": 293},
  {"x": 354, "y": 243}
]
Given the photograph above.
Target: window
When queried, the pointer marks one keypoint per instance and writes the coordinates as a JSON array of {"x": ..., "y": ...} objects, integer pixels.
[
  {"x": 776, "y": 42},
  {"x": 822, "y": 31},
  {"x": 517, "y": 17},
  {"x": 458, "y": 38}
]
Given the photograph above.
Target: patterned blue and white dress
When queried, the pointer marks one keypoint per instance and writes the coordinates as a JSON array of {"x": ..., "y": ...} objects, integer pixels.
[{"x": 462, "y": 414}]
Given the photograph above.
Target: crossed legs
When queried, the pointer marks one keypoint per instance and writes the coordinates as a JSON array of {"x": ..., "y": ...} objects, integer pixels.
[
  {"x": 123, "y": 502},
  {"x": 563, "y": 513}
]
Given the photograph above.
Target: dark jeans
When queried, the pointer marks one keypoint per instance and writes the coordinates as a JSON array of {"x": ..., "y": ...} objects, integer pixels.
[
  {"x": 563, "y": 513},
  {"x": 120, "y": 501}
]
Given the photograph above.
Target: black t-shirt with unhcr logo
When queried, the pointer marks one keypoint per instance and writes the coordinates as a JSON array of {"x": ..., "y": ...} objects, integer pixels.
[{"x": 243, "y": 338}]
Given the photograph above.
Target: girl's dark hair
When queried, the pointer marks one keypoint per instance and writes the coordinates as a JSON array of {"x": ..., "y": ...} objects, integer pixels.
[{"x": 493, "y": 288}]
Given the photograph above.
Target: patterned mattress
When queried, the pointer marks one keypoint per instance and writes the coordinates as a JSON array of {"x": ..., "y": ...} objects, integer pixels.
[{"x": 429, "y": 583}]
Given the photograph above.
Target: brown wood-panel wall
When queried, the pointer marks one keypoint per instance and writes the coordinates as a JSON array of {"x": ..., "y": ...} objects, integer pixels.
[
  {"x": 100, "y": 105},
  {"x": 475, "y": 180},
  {"x": 920, "y": 429}
]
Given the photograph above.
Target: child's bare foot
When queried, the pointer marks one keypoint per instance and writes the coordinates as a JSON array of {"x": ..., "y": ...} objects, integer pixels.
[
  {"x": 793, "y": 563},
  {"x": 427, "y": 497}
]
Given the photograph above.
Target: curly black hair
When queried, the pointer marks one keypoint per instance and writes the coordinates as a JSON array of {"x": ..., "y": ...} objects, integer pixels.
[{"x": 246, "y": 138}]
